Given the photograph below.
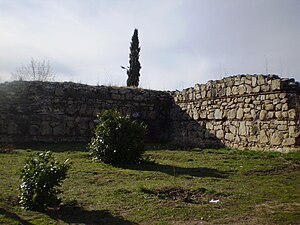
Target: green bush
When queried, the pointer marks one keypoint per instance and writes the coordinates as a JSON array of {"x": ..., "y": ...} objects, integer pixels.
[
  {"x": 118, "y": 140},
  {"x": 40, "y": 177}
]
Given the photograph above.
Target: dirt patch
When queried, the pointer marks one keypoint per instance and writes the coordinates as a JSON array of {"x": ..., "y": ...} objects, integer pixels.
[
  {"x": 273, "y": 207},
  {"x": 199, "y": 196},
  {"x": 291, "y": 167},
  {"x": 242, "y": 220}
]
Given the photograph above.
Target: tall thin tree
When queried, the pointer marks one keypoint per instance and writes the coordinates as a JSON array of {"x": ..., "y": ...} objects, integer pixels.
[{"x": 133, "y": 71}]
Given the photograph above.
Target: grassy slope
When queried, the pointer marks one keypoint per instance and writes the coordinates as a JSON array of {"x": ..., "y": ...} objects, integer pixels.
[{"x": 253, "y": 188}]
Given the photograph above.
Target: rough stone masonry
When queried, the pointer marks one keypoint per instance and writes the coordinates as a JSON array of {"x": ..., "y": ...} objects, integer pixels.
[
  {"x": 60, "y": 112},
  {"x": 245, "y": 111},
  {"x": 248, "y": 112}
]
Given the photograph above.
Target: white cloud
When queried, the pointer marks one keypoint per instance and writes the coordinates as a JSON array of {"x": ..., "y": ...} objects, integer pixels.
[{"x": 183, "y": 42}]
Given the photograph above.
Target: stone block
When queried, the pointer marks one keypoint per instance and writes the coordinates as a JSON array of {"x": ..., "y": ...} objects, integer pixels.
[
  {"x": 34, "y": 130},
  {"x": 282, "y": 127},
  {"x": 256, "y": 89},
  {"x": 273, "y": 98},
  {"x": 232, "y": 129},
  {"x": 282, "y": 95},
  {"x": 246, "y": 109},
  {"x": 263, "y": 138},
  {"x": 197, "y": 87},
  {"x": 265, "y": 88},
  {"x": 237, "y": 139},
  {"x": 195, "y": 114},
  {"x": 12, "y": 128},
  {"x": 256, "y": 102},
  {"x": 70, "y": 124},
  {"x": 263, "y": 114},
  {"x": 285, "y": 107},
  {"x": 292, "y": 114},
  {"x": 210, "y": 116},
  {"x": 276, "y": 138},
  {"x": 71, "y": 110},
  {"x": 248, "y": 100},
  {"x": 203, "y": 114},
  {"x": 278, "y": 107},
  {"x": 254, "y": 81},
  {"x": 260, "y": 80},
  {"x": 208, "y": 94},
  {"x": 288, "y": 141},
  {"x": 229, "y": 137},
  {"x": 248, "y": 89},
  {"x": 248, "y": 80},
  {"x": 253, "y": 138},
  {"x": 222, "y": 92},
  {"x": 248, "y": 116},
  {"x": 270, "y": 115},
  {"x": 253, "y": 113},
  {"x": 243, "y": 128},
  {"x": 235, "y": 90},
  {"x": 275, "y": 85},
  {"x": 220, "y": 134},
  {"x": 231, "y": 114},
  {"x": 209, "y": 126},
  {"x": 284, "y": 115},
  {"x": 59, "y": 92},
  {"x": 82, "y": 110},
  {"x": 240, "y": 113},
  {"x": 269, "y": 107},
  {"x": 59, "y": 130},
  {"x": 242, "y": 89},
  {"x": 292, "y": 131},
  {"x": 237, "y": 80},
  {"x": 218, "y": 115},
  {"x": 45, "y": 128},
  {"x": 228, "y": 91}
]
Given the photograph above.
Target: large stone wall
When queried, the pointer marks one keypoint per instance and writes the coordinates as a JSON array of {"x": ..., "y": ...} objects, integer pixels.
[
  {"x": 259, "y": 112},
  {"x": 254, "y": 112},
  {"x": 42, "y": 111}
]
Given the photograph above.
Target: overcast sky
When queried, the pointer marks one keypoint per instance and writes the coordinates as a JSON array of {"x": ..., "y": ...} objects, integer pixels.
[{"x": 183, "y": 42}]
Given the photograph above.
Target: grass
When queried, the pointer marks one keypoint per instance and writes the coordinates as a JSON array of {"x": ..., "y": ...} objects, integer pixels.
[{"x": 252, "y": 188}]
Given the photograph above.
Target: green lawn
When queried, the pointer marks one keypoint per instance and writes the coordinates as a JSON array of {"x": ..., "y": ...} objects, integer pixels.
[{"x": 251, "y": 188}]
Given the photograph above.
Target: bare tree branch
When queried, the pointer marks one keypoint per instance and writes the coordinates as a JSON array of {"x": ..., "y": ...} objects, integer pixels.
[{"x": 35, "y": 70}]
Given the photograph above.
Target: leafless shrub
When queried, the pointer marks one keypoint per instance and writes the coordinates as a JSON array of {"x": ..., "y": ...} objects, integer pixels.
[{"x": 34, "y": 71}]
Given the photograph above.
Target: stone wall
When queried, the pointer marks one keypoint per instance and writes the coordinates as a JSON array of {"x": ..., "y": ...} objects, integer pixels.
[
  {"x": 254, "y": 112},
  {"x": 41, "y": 111}
]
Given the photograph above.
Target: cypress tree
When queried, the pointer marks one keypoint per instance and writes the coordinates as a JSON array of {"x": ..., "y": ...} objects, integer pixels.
[{"x": 133, "y": 71}]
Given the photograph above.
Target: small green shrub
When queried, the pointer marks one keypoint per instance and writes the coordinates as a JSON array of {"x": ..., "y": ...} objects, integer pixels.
[
  {"x": 40, "y": 177},
  {"x": 118, "y": 140}
]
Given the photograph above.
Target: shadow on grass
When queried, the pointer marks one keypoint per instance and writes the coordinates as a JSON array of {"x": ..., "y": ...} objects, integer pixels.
[
  {"x": 14, "y": 216},
  {"x": 77, "y": 215},
  {"x": 175, "y": 170}
]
